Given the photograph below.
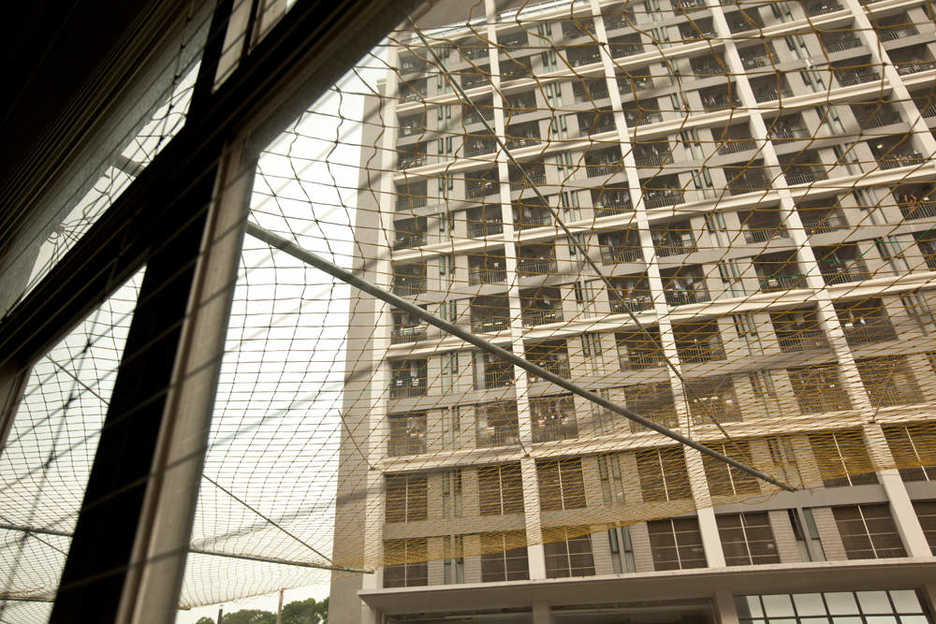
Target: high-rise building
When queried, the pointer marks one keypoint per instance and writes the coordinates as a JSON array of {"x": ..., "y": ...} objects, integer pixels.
[{"x": 751, "y": 183}]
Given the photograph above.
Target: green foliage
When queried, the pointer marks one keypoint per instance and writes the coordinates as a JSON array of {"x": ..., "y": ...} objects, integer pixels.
[
  {"x": 307, "y": 611},
  {"x": 205, "y": 620},
  {"x": 249, "y": 616}
]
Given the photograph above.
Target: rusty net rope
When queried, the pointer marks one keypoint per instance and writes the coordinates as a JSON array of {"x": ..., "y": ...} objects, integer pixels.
[{"x": 715, "y": 215}]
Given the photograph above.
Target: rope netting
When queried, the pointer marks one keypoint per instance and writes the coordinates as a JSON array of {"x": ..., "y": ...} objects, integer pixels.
[{"x": 718, "y": 216}]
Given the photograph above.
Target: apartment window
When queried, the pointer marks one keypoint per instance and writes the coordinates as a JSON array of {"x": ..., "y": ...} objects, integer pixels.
[
  {"x": 453, "y": 553},
  {"x": 586, "y": 294},
  {"x": 829, "y": 118},
  {"x": 504, "y": 557},
  {"x": 405, "y": 563},
  {"x": 445, "y": 112},
  {"x": 592, "y": 353},
  {"x": 724, "y": 479},
  {"x": 781, "y": 11},
  {"x": 561, "y": 485},
  {"x": 663, "y": 474},
  {"x": 702, "y": 180},
  {"x": 862, "y": 607},
  {"x": 868, "y": 531},
  {"x": 797, "y": 46},
  {"x": 659, "y": 35},
  {"x": 568, "y": 552},
  {"x": 571, "y": 209},
  {"x": 892, "y": 252},
  {"x": 446, "y": 182},
  {"x": 842, "y": 458},
  {"x": 806, "y": 534},
  {"x": 811, "y": 78},
  {"x": 919, "y": 310},
  {"x": 496, "y": 424},
  {"x": 544, "y": 29},
  {"x": 603, "y": 419},
  {"x": 676, "y": 544},
  {"x": 451, "y": 494},
  {"x": 622, "y": 550},
  {"x": 552, "y": 90},
  {"x": 914, "y": 448},
  {"x": 656, "y": 14},
  {"x": 747, "y": 538},
  {"x": 449, "y": 374},
  {"x": 550, "y": 59},
  {"x": 926, "y": 512},
  {"x": 846, "y": 156},
  {"x": 500, "y": 490},
  {"x": 784, "y": 459},
  {"x": 451, "y": 427},
  {"x": 575, "y": 241},
  {"x": 406, "y": 498},
  {"x": 448, "y": 311},
  {"x": 692, "y": 143},
  {"x": 609, "y": 473},
  {"x": 718, "y": 229},
  {"x": 559, "y": 126},
  {"x": 446, "y": 228},
  {"x": 889, "y": 381},
  {"x": 564, "y": 160},
  {"x": 730, "y": 273},
  {"x": 407, "y": 434},
  {"x": 447, "y": 265}
]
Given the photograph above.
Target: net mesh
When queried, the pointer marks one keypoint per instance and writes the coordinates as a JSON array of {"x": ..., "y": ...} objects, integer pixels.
[{"x": 717, "y": 216}]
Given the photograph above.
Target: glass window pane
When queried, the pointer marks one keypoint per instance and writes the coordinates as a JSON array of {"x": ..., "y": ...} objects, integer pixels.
[
  {"x": 906, "y": 601},
  {"x": 778, "y": 605},
  {"x": 874, "y": 602},
  {"x": 809, "y": 604}
]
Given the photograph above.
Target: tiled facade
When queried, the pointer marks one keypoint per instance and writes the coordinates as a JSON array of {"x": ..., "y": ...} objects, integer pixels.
[{"x": 784, "y": 272}]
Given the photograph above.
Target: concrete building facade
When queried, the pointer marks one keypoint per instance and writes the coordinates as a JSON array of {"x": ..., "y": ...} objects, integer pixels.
[{"x": 753, "y": 183}]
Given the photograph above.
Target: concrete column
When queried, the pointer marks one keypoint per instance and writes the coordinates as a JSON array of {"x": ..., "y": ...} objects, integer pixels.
[
  {"x": 542, "y": 614},
  {"x": 725, "y": 608},
  {"x": 711, "y": 541}
]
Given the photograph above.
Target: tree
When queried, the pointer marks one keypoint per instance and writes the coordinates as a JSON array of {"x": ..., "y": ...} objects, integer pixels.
[
  {"x": 249, "y": 616},
  {"x": 308, "y": 611},
  {"x": 205, "y": 620}
]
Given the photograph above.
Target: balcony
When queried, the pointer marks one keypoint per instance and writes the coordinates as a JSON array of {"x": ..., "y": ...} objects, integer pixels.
[
  {"x": 553, "y": 355},
  {"x": 926, "y": 103},
  {"x": 718, "y": 98},
  {"x": 409, "y": 280},
  {"x": 407, "y": 328},
  {"x": 490, "y": 314},
  {"x": 760, "y": 55},
  {"x": 481, "y": 183},
  {"x": 515, "y": 39},
  {"x": 531, "y": 213},
  {"x": 895, "y": 27},
  {"x": 477, "y": 144},
  {"x": 407, "y": 378},
  {"x": 673, "y": 239},
  {"x": 875, "y": 115},
  {"x": 733, "y": 139},
  {"x": 798, "y": 330},
  {"x": 485, "y": 221},
  {"x": 490, "y": 371},
  {"x": 414, "y": 91},
  {"x": 646, "y": 112},
  {"x": 762, "y": 225},
  {"x": 519, "y": 103},
  {"x": 485, "y": 110},
  {"x": 553, "y": 418},
  {"x": 912, "y": 59},
  {"x": 895, "y": 151},
  {"x": 712, "y": 400},
  {"x": 539, "y": 306},
  {"x": 818, "y": 7},
  {"x": 578, "y": 27},
  {"x": 412, "y": 64},
  {"x": 413, "y": 156},
  {"x": 473, "y": 48},
  {"x": 708, "y": 66},
  {"x": 412, "y": 125},
  {"x": 611, "y": 200},
  {"x": 661, "y": 191},
  {"x": 582, "y": 55},
  {"x": 779, "y": 271},
  {"x": 630, "y": 294},
  {"x": 654, "y": 402},
  {"x": 819, "y": 218},
  {"x": 696, "y": 30},
  {"x": 631, "y": 82},
  {"x": 684, "y": 285},
  {"x": 626, "y": 45},
  {"x": 802, "y": 168},
  {"x": 865, "y": 322},
  {"x": 618, "y": 247},
  {"x": 638, "y": 350},
  {"x": 497, "y": 424},
  {"x": 618, "y": 16},
  {"x": 411, "y": 196},
  {"x": 841, "y": 264},
  {"x": 916, "y": 201},
  {"x": 654, "y": 154},
  {"x": 771, "y": 87},
  {"x": 597, "y": 121},
  {"x": 489, "y": 268},
  {"x": 854, "y": 72},
  {"x": 787, "y": 128},
  {"x": 747, "y": 178},
  {"x": 926, "y": 241},
  {"x": 536, "y": 260},
  {"x": 742, "y": 21},
  {"x": 698, "y": 342},
  {"x": 603, "y": 162},
  {"x": 515, "y": 69},
  {"x": 475, "y": 77},
  {"x": 589, "y": 90},
  {"x": 838, "y": 42}
]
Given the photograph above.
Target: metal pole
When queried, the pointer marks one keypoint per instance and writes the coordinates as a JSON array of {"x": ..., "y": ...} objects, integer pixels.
[
  {"x": 346, "y": 276},
  {"x": 279, "y": 609}
]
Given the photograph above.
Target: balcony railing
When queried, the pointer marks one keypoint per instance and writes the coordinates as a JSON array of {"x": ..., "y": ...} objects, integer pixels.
[
  {"x": 912, "y": 67},
  {"x": 532, "y": 318},
  {"x": 498, "y": 378},
  {"x": 652, "y": 158},
  {"x": 481, "y": 188},
  {"x": 892, "y": 161},
  {"x": 782, "y": 282},
  {"x": 804, "y": 175},
  {"x": 685, "y": 297},
  {"x": 536, "y": 266},
  {"x": 874, "y": 332},
  {"x": 617, "y": 255},
  {"x": 478, "y": 229},
  {"x": 527, "y": 221},
  {"x": 820, "y": 7},
  {"x": 656, "y": 199},
  {"x": 856, "y": 272},
  {"x": 856, "y": 76},
  {"x": 640, "y": 359},
  {"x": 408, "y": 334},
  {"x": 642, "y": 118},
  {"x": 918, "y": 209},
  {"x": 762, "y": 235},
  {"x": 403, "y": 387},
  {"x": 845, "y": 43},
  {"x": 603, "y": 169},
  {"x": 731, "y": 146},
  {"x": 409, "y": 287},
  {"x": 486, "y": 276},
  {"x": 701, "y": 352},
  {"x": 607, "y": 206},
  {"x": 405, "y": 240},
  {"x": 556, "y": 367},
  {"x": 631, "y": 304},
  {"x": 768, "y": 94},
  {"x": 405, "y": 202},
  {"x": 890, "y": 34},
  {"x": 416, "y": 160},
  {"x": 484, "y": 324},
  {"x": 522, "y": 141},
  {"x": 878, "y": 119},
  {"x": 803, "y": 340}
]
